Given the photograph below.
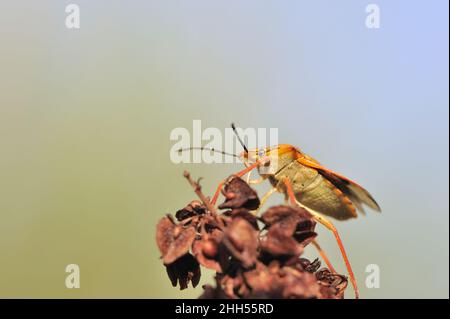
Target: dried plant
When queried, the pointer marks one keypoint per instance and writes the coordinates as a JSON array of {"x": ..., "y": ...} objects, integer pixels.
[{"x": 253, "y": 257}]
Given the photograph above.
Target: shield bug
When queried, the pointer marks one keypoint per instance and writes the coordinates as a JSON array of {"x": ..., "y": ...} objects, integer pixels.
[{"x": 306, "y": 183}]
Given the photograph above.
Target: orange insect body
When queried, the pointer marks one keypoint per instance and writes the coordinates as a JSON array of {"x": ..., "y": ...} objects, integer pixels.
[
  {"x": 307, "y": 183},
  {"x": 314, "y": 186}
]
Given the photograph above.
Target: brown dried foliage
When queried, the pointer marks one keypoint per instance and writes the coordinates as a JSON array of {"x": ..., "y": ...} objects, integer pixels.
[{"x": 253, "y": 257}]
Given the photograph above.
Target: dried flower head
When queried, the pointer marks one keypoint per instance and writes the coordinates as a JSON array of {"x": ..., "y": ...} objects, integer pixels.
[{"x": 253, "y": 257}]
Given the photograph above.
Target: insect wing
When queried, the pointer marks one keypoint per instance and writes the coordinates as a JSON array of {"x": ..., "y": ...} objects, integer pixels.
[{"x": 355, "y": 192}]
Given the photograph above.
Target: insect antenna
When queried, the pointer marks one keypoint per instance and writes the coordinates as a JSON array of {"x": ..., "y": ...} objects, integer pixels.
[
  {"x": 239, "y": 138},
  {"x": 201, "y": 148}
]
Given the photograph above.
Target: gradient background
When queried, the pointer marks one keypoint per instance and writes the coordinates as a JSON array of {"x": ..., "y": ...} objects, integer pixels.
[{"x": 85, "y": 118}]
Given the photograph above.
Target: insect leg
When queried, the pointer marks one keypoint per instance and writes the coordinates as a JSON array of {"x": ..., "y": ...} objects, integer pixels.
[
  {"x": 265, "y": 197},
  {"x": 253, "y": 181},
  {"x": 249, "y": 173},
  {"x": 256, "y": 181},
  {"x": 331, "y": 227},
  {"x": 323, "y": 255}
]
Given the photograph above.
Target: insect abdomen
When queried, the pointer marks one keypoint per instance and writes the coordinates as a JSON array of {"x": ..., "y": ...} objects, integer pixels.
[
  {"x": 300, "y": 176},
  {"x": 323, "y": 197},
  {"x": 314, "y": 191}
]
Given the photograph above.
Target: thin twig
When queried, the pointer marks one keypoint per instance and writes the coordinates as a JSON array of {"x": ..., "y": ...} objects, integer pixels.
[{"x": 198, "y": 191}]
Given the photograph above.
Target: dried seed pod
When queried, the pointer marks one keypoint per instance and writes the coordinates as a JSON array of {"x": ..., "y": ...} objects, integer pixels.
[
  {"x": 245, "y": 214},
  {"x": 238, "y": 194},
  {"x": 192, "y": 209},
  {"x": 241, "y": 240},
  {"x": 206, "y": 251},
  {"x": 184, "y": 270},
  {"x": 210, "y": 248},
  {"x": 277, "y": 214},
  {"x": 309, "y": 266},
  {"x": 164, "y": 234},
  {"x": 262, "y": 283},
  {"x": 325, "y": 276},
  {"x": 173, "y": 240},
  {"x": 300, "y": 285},
  {"x": 278, "y": 243},
  {"x": 291, "y": 222},
  {"x": 180, "y": 245},
  {"x": 332, "y": 285}
]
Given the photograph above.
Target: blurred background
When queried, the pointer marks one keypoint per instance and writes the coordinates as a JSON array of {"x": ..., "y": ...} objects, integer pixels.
[{"x": 85, "y": 118}]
